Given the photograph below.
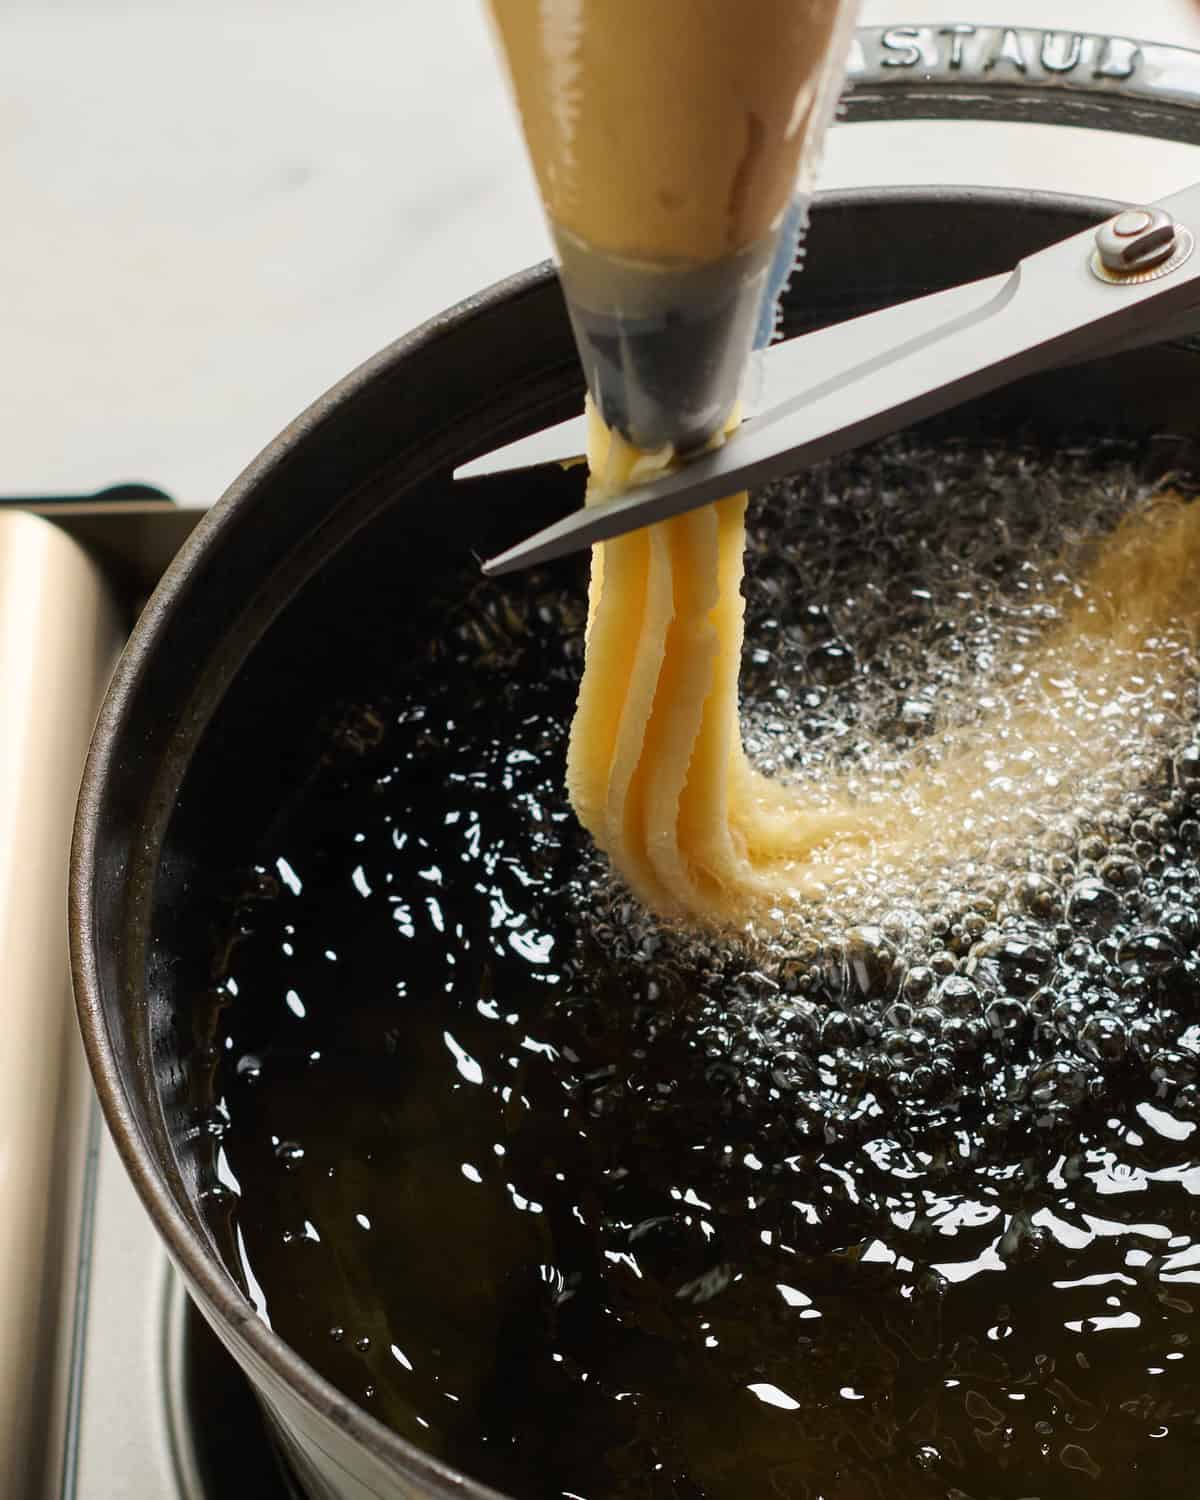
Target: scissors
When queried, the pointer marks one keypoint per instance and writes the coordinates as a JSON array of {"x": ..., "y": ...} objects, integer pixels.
[{"x": 1131, "y": 282}]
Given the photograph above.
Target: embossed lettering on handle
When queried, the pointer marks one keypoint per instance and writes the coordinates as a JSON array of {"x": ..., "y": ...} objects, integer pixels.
[{"x": 963, "y": 70}]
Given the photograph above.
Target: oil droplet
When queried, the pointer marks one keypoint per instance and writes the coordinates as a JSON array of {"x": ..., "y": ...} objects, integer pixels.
[{"x": 1075, "y": 1457}]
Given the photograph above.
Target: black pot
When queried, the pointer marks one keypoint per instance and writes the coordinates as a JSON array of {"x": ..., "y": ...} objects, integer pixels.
[{"x": 289, "y": 593}]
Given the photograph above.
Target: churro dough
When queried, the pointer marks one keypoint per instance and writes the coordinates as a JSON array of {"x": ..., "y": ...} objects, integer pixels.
[
  {"x": 656, "y": 767},
  {"x": 621, "y": 166}
]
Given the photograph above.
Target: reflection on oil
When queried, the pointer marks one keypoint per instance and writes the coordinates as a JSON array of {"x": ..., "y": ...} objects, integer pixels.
[{"x": 905, "y": 1204}]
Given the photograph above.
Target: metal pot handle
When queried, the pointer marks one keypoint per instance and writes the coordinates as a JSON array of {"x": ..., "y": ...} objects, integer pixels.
[{"x": 967, "y": 71}]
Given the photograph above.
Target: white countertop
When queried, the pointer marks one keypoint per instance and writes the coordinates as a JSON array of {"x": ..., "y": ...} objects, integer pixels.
[{"x": 211, "y": 211}]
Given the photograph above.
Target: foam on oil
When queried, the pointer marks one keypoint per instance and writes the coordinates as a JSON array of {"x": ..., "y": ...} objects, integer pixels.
[{"x": 899, "y": 1199}]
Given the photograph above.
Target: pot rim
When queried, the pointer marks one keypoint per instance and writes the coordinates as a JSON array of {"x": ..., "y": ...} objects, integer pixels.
[
  {"x": 259, "y": 1345},
  {"x": 203, "y": 1271}
]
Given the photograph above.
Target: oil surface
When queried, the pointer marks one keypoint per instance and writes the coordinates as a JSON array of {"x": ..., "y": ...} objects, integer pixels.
[{"x": 900, "y": 1202}]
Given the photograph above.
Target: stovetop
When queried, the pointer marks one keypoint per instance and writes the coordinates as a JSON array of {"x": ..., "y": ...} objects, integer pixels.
[{"x": 155, "y": 1407}]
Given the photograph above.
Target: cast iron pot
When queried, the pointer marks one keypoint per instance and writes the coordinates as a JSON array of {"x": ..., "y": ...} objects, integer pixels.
[{"x": 289, "y": 594}]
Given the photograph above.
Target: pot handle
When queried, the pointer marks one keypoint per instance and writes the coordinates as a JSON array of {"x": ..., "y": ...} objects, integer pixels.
[{"x": 966, "y": 71}]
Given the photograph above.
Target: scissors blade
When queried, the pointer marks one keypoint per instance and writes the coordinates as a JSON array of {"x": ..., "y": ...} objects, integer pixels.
[
  {"x": 785, "y": 370},
  {"x": 1049, "y": 310},
  {"x": 561, "y": 444}
]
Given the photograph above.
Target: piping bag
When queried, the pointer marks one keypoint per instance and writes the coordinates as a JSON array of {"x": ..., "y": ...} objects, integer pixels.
[
  {"x": 674, "y": 144},
  {"x": 669, "y": 138}
]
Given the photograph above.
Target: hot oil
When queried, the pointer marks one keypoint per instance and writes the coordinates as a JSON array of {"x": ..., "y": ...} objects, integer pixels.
[{"x": 897, "y": 1200}]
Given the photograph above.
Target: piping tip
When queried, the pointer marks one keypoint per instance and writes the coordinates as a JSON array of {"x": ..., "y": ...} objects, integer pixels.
[{"x": 664, "y": 348}]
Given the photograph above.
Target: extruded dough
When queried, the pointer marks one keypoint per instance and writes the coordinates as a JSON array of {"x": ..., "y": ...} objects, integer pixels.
[{"x": 656, "y": 769}]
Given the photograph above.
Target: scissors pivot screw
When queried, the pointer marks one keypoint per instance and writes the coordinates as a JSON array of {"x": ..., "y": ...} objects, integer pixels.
[{"x": 1136, "y": 240}]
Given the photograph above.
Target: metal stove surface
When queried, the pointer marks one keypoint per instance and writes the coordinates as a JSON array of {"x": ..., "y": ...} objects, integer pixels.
[{"x": 156, "y": 1410}]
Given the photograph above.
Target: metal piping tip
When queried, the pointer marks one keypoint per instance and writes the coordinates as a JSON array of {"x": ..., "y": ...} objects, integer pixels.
[{"x": 663, "y": 348}]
